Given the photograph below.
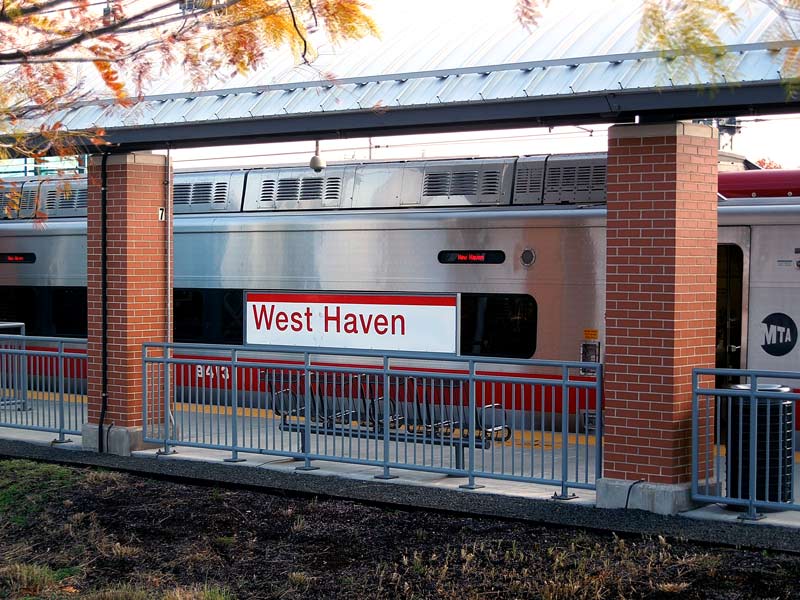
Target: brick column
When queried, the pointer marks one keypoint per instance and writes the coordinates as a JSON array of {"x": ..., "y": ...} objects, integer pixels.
[
  {"x": 660, "y": 307},
  {"x": 136, "y": 251}
]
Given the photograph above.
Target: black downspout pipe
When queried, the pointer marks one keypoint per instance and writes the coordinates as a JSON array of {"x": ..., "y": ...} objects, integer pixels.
[{"x": 103, "y": 301}]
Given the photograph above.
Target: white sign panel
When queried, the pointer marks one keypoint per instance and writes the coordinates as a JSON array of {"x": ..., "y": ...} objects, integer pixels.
[{"x": 357, "y": 321}]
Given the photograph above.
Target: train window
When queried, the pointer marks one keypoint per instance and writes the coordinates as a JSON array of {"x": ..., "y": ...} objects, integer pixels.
[
  {"x": 68, "y": 310},
  {"x": 502, "y": 325},
  {"x": 46, "y": 311},
  {"x": 18, "y": 305},
  {"x": 188, "y": 314},
  {"x": 208, "y": 316}
]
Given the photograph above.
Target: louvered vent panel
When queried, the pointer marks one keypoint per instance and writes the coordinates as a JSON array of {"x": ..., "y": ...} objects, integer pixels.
[
  {"x": 490, "y": 183},
  {"x": 311, "y": 188},
  {"x": 28, "y": 200},
  {"x": 288, "y": 190},
  {"x": 202, "y": 193},
  {"x": 529, "y": 180},
  {"x": 599, "y": 178},
  {"x": 182, "y": 193},
  {"x": 52, "y": 200},
  {"x": 333, "y": 188},
  {"x": 267, "y": 191},
  {"x": 523, "y": 181},
  {"x": 12, "y": 197},
  {"x": 464, "y": 183},
  {"x": 221, "y": 192},
  {"x": 81, "y": 198},
  {"x": 436, "y": 184},
  {"x": 583, "y": 178}
]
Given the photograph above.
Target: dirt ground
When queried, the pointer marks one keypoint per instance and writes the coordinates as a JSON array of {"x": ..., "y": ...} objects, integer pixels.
[{"x": 86, "y": 533}]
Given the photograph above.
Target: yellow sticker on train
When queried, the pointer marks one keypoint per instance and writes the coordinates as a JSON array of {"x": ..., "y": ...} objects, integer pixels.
[{"x": 591, "y": 334}]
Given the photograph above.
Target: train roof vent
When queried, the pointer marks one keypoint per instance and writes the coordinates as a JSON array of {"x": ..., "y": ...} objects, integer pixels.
[
  {"x": 288, "y": 190},
  {"x": 9, "y": 195},
  {"x": 50, "y": 200},
  {"x": 311, "y": 189},
  {"x": 28, "y": 200},
  {"x": 529, "y": 180},
  {"x": 294, "y": 188},
  {"x": 333, "y": 190},
  {"x": 456, "y": 183},
  {"x": 182, "y": 193},
  {"x": 436, "y": 184},
  {"x": 575, "y": 178},
  {"x": 490, "y": 183},
  {"x": 81, "y": 198},
  {"x": 268, "y": 187},
  {"x": 202, "y": 195},
  {"x": 464, "y": 183},
  {"x": 220, "y": 192},
  {"x": 202, "y": 192}
]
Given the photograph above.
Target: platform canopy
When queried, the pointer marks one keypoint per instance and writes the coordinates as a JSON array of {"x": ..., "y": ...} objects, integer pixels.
[{"x": 448, "y": 65}]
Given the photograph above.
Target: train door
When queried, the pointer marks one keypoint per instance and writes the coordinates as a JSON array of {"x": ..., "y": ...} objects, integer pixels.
[{"x": 733, "y": 262}]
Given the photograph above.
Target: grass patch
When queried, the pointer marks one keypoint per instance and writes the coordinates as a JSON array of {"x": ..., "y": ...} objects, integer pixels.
[
  {"x": 27, "y": 580},
  {"x": 123, "y": 592},
  {"x": 27, "y": 486},
  {"x": 206, "y": 592}
]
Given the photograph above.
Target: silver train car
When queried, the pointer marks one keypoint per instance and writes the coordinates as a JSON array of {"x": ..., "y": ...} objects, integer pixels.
[{"x": 521, "y": 239}]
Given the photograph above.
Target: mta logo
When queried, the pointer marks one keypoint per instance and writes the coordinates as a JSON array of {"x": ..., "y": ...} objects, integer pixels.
[{"x": 779, "y": 334}]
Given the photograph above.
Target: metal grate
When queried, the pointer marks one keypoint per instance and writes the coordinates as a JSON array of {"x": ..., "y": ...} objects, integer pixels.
[
  {"x": 81, "y": 198},
  {"x": 28, "y": 201},
  {"x": 220, "y": 192},
  {"x": 529, "y": 180},
  {"x": 333, "y": 188},
  {"x": 490, "y": 183},
  {"x": 52, "y": 200},
  {"x": 267, "y": 191},
  {"x": 459, "y": 183},
  {"x": 200, "y": 192},
  {"x": 288, "y": 190},
  {"x": 311, "y": 188},
  {"x": 436, "y": 184},
  {"x": 182, "y": 193},
  {"x": 464, "y": 183}
]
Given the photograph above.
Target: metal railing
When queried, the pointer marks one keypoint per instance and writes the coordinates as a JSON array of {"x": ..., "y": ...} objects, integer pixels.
[
  {"x": 533, "y": 421},
  {"x": 43, "y": 384},
  {"x": 743, "y": 439}
]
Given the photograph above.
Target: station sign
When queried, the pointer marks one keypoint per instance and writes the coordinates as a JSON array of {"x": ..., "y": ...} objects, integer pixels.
[{"x": 394, "y": 322}]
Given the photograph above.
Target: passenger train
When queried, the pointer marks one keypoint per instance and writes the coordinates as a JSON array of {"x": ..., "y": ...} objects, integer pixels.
[{"x": 521, "y": 240}]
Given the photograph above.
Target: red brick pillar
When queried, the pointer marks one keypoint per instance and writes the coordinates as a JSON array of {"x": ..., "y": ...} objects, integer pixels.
[
  {"x": 137, "y": 286},
  {"x": 660, "y": 307}
]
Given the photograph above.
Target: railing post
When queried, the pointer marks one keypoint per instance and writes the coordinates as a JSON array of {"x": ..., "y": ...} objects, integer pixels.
[
  {"x": 752, "y": 514},
  {"x": 234, "y": 409},
  {"x": 386, "y": 406},
  {"x": 167, "y": 404},
  {"x": 598, "y": 423},
  {"x": 472, "y": 422},
  {"x": 306, "y": 449},
  {"x": 695, "y": 436},
  {"x": 564, "y": 495},
  {"x": 60, "y": 439},
  {"x": 24, "y": 363}
]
